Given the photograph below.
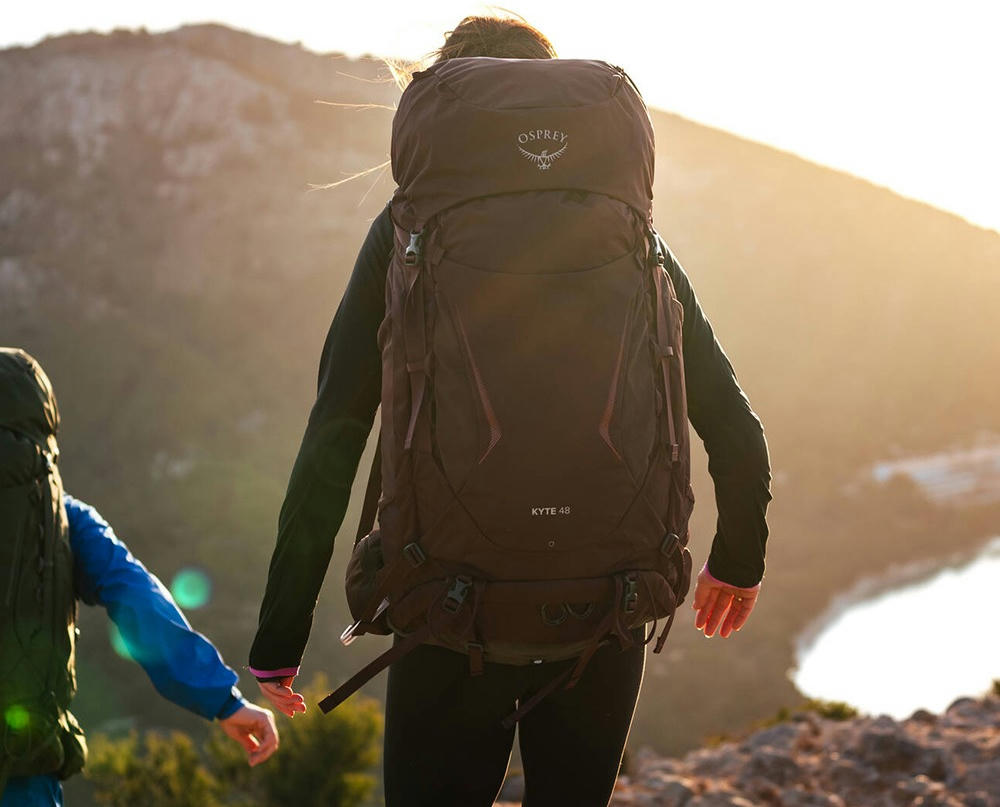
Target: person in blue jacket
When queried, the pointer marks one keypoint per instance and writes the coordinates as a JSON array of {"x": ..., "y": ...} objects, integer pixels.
[{"x": 183, "y": 665}]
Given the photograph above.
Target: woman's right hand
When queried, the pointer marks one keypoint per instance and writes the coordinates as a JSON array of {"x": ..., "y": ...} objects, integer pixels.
[{"x": 281, "y": 696}]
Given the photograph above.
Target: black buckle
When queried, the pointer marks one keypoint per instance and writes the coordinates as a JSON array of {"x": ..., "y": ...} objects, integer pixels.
[
  {"x": 414, "y": 554},
  {"x": 456, "y": 594},
  {"x": 670, "y": 542},
  {"x": 630, "y": 601}
]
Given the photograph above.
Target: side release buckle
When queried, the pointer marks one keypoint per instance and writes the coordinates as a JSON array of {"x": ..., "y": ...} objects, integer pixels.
[
  {"x": 456, "y": 594},
  {"x": 630, "y": 599},
  {"x": 356, "y": 629}
]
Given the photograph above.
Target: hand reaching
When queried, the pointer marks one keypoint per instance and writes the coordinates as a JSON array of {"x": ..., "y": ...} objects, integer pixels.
[
  {"x": 254, "y": 729},
  {"x": 281, "y": 696},
  {"x": 717, "y": 602}
]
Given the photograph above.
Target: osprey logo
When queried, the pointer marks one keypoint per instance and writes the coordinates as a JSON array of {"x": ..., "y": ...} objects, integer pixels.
[{"x": 547, "y": 156}]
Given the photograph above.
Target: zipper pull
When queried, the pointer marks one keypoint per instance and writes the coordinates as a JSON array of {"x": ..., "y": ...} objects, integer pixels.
[{"x": 415, "y": 249}]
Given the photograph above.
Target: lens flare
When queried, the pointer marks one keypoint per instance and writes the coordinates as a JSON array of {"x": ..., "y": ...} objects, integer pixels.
[
  {"x": 191, "y": 588},
  {"x": 16, "y": 717},
  {"x": 118, "y": 643}
]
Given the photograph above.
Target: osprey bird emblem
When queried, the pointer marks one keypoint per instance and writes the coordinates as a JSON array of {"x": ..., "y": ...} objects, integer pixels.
[{"x": 544, "y": 160}]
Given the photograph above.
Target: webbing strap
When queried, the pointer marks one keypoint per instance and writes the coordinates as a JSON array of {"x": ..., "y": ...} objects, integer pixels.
[
  {"x": 370, "y": 508},
  {"x": 666, "y": 630},
  {"x": 509, "y": 721},
  {"x": 663, "y": 340},
  {"x": 571, "y": 676},
  {"x": 364, "y": 675},
  {"x": 415, "y": 337}
]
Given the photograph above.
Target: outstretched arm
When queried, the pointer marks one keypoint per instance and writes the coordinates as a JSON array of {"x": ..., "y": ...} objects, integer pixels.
[
  {"x": 182, "y": 664},
  {"x": 738, "y": 462},
  {"x": 350, "y": 385}
]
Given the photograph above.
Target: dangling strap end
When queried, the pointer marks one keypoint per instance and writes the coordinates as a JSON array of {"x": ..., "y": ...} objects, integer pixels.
[
  {"x": 509, "y": 721},
  {"x": 475, "y": 650},
  {"x": 362, "y": 677},
  {"x": 663, "y": 636}
]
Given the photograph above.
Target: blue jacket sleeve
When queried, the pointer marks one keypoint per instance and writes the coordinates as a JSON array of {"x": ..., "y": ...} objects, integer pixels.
[{"x": 183, "y": 665}]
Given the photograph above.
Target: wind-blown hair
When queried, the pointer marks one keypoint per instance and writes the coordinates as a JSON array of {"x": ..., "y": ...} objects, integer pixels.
[{"x": 502, "y": 37}]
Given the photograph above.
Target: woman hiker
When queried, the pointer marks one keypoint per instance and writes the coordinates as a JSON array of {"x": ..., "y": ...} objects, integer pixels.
[{"x": 445, "y": 743}]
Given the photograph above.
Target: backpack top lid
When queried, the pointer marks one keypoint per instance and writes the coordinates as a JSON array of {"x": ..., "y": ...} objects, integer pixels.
[
  {"x": 27, "y": 402},
  {"x": 479, "y": 126}
]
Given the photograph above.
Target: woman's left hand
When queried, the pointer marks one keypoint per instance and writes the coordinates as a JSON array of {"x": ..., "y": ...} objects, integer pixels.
[{"x": 718, "y": 603}]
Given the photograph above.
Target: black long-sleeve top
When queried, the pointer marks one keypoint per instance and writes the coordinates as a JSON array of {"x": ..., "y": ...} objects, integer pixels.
[{"x": 350, "y": 378}]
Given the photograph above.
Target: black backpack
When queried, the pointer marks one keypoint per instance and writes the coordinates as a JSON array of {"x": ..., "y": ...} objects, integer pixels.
[{"x": 37, "y": 626}]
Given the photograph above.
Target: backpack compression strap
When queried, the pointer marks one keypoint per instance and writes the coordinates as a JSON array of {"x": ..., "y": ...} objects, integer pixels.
[
  {"x": 454, "y": 606},
  {"x": 365, "y": 674},
  {"x": 370, "y": 508},
  {"x": 664, "y": 348}
]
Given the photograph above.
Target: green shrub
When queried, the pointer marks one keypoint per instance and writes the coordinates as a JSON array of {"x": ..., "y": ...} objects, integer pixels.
[
  {"x": 322, "y": 760},
  {"x": 831, "y": 710},
  {"x": 158, "y": 771}
]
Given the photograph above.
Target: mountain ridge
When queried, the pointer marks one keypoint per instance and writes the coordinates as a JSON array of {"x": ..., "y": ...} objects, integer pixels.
[{"x": 160, "y": 254}]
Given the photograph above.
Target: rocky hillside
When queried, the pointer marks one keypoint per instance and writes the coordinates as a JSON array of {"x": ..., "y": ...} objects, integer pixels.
[
  {"x": 162, "y": 254},
  {"x": 948, "y": 760},
  {"x": 941, "y": 760}
]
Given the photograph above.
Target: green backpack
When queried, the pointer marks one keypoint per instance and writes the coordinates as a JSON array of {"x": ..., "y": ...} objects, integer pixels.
[{"x": 38, "y": 733}]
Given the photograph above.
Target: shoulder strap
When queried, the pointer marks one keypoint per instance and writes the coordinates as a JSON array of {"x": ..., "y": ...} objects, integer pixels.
[{"x": 372, "y": 492}]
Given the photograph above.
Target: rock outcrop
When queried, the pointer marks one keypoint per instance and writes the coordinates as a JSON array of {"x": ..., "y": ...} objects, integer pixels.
[{"x": 927, "y": 760}]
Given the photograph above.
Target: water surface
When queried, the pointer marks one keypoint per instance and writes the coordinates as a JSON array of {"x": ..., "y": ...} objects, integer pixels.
[{"x": 917, "y": 645}]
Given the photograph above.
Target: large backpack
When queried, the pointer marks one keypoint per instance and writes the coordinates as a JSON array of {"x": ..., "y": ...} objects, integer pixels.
[
  {"x": 37, "y": 626},
  {"x": 534, "y": 449}
]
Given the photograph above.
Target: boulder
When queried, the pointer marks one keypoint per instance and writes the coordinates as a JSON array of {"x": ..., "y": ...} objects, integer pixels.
[
  {"x": 847, "y": 775},
  {"x": 676, "y": 793},
  {"x": 678, "y": 789},
  {"x": 719, "y": 763},
  {"x": 772, "y": 766},
  {"x": 782, "y": 736},
  {"x": 979, "y": 799},
  {"x": 968, "y": 752},
  {"x": 799, "y": 797},
  {"x": 719, "y": 799},
  {"x": 888, "y": 749},
  {"x": 984, "y": 777}
]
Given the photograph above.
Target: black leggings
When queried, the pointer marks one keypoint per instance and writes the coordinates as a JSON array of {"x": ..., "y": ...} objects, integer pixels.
[{"x": 445, "y": 745}]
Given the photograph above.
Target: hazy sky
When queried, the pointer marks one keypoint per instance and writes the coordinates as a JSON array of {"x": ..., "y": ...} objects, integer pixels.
[{"x": 901, "y": 92}]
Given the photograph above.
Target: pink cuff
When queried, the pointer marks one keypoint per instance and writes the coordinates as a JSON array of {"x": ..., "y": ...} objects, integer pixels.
[
  {"x": 282, "y": 673},
  {"x": 719, "y": 582}
]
